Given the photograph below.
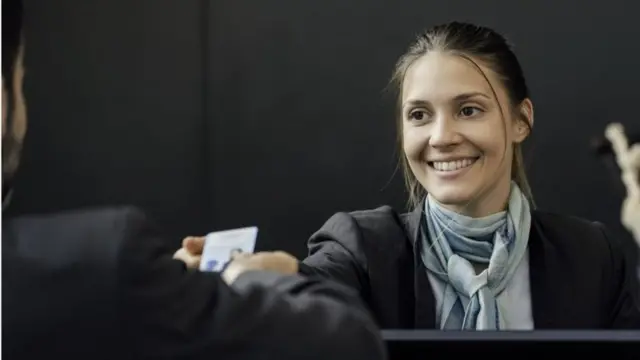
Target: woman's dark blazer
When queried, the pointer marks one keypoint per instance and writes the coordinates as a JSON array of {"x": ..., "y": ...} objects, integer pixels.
[{"x": 579, "y": 276}]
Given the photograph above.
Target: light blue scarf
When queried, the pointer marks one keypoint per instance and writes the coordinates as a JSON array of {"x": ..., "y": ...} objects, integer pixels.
[{"x": 454, "y": 241}]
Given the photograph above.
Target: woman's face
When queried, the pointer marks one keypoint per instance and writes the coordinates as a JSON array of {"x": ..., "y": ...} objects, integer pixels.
[{"x": 454, "y": 133}]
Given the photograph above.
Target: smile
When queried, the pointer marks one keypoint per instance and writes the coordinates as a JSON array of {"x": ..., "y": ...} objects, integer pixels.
[{"x": 452, "y": 165}]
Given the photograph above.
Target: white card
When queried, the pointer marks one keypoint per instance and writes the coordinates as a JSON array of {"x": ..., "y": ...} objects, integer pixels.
[{"x": 219, "y": 246}]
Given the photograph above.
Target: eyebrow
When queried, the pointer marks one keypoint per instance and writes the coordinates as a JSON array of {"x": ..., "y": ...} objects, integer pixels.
[{"x": 458, "y": 98}]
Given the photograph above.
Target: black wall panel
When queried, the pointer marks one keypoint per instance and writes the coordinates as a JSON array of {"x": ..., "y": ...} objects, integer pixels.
[{"x": 218, "y": 114}]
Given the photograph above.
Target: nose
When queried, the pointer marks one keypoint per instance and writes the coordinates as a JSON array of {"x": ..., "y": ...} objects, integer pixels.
[{"x": 443, "y": 132}]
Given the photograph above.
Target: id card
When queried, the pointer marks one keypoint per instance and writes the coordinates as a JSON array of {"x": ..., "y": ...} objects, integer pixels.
[{"x": 220, "y": 245}]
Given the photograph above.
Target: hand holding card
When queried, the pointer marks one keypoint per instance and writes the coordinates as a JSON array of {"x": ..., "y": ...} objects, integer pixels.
[
  {"x": 232, "y": 251},
  {"x": 220, "y": 246}
]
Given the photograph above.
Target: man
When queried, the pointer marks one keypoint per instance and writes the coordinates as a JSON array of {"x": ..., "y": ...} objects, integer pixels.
[{"x": 100, "y": 284}]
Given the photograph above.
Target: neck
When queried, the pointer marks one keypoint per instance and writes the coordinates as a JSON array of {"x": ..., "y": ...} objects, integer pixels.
[{"x": 490, "y": 201}]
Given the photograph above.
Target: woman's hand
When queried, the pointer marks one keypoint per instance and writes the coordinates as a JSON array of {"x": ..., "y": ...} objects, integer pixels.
[{"x": 276, "y": 261}]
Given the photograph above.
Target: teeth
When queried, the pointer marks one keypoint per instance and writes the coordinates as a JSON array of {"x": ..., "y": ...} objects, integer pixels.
[{"x": 452, "y": 165}]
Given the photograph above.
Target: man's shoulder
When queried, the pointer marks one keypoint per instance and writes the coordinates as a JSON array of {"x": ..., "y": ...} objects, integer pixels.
[
  {"x": 93, "y": 234},
  {"x": 80, "y": 219},
  {"x": 63, "y": 273}
]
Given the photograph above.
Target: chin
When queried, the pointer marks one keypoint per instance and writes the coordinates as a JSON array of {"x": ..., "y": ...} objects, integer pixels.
[
  {"x": 454, "y": 199},
  {"x": 453, "y": 194}
]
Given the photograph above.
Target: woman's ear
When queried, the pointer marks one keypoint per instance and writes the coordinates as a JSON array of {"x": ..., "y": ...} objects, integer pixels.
[{"x": 524, "y": 121}]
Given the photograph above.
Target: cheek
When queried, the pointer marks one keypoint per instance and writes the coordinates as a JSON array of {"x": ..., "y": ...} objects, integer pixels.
[
  {"x": 413, "y": 143},
  {"x": 492, "y": 148},
  {"x": 20, "y": 117},
  {"x": 19, "y": 112},
  {"x": 495, "y": 155},
  {"x": 487, "y": 136}
]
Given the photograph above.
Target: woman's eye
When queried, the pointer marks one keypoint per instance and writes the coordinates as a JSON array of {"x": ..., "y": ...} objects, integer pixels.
[
  {"x": 417, "y": 115},
  {"x": 469, "y": 111}
]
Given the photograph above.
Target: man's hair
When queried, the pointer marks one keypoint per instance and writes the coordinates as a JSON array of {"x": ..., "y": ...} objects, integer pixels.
[{"x": 11, "y": 39}]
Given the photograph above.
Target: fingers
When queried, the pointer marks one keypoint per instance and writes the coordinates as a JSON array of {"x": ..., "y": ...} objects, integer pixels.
[
  {"x": 192, "y": 247},
  {"x": 194, "y": 244},
  {"x": 240, "y": 255},
  {"x": 191, "y": 261},
  {"x": 278, "y": 261}
]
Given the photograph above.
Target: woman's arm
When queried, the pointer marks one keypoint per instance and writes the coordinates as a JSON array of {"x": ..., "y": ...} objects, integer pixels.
[{"x": 336, "y": 253}]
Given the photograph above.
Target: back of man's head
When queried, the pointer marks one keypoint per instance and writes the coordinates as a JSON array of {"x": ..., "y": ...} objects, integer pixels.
[{"x": 11, "y": 38}]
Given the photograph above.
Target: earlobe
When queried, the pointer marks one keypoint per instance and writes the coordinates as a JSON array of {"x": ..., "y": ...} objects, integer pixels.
[{"x": 521, "y": 131}]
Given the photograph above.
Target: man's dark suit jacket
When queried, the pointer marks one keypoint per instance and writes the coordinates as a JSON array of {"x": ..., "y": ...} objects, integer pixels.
[
  {"x": 579, "y": 278},
  {"x": 101, "y": 284}
]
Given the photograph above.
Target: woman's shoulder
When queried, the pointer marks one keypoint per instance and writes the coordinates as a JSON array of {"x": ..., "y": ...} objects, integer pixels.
[
  {"x": 361, "y": 238},
  {"x": 562, "y": 223},
  {"x": 575, "y": 234},
  {"x": 382, "y": 217},
  {"x": 382, "y": 228}
]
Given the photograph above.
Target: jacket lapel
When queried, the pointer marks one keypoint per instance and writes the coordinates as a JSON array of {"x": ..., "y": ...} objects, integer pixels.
[
  {"x": 424, "y": 304},
  {"x": 545, "y": 280}
]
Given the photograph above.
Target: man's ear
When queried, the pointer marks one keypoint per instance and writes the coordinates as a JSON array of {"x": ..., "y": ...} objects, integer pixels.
[
  {"x": 524, "y": 121},
  {"x": 19, "y": 106}
]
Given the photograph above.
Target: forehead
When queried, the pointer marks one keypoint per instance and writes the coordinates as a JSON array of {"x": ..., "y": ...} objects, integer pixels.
[{"x": 439, "y": 76}]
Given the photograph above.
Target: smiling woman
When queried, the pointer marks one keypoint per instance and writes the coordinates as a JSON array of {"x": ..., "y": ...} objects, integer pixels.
[
  {"x": 474, "y": 254},
  {"x": 464, "y": 110}
]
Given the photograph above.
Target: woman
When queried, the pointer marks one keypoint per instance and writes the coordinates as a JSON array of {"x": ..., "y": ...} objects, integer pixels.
[{"x": 474, "y": 254}]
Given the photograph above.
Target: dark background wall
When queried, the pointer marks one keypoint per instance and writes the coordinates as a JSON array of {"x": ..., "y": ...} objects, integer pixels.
[
  {"x": 115, "y": 99},
  {"x": 220, "y": 114}
]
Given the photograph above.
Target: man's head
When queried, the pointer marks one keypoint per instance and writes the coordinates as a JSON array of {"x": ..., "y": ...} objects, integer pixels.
[{"x": 14, "y": 112}]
